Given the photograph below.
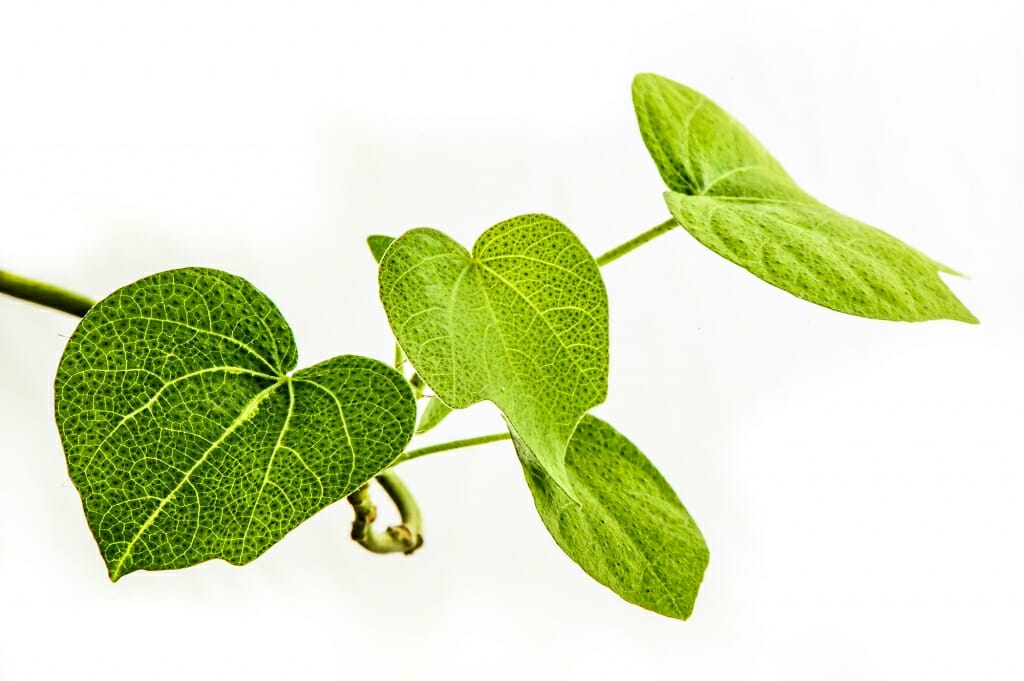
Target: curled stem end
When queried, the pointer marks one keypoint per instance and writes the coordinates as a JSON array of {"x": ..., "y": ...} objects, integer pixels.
[{"x": 405, "y": 537}]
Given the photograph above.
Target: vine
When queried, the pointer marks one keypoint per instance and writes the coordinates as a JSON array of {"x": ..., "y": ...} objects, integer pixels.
[{"x": 190, "y": 434}]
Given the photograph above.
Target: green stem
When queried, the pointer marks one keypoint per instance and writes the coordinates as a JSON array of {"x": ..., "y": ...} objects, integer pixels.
[
  {"x": 404, "y": 538},
  {"x": 44, "y": 294},
  {"x": 418, "y": 386},
  {"x": 406, "y": 504},
  {"x": 636, "y": 242},
  {"x": 454, "y": 444}
]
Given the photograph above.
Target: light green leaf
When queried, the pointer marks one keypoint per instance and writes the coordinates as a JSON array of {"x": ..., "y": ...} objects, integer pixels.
[
  {"x": 378, "y": 243},
  {"x": 521, "y": 321},
  {"x": 629, "y": 530},
  {"x": 433, "y": 414},
  {"x": 188, "y": 439},
  {"x": 735, "y": 198}
]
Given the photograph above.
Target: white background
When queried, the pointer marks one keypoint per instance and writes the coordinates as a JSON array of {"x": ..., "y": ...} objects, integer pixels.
[{"x": 859, "y": 482}]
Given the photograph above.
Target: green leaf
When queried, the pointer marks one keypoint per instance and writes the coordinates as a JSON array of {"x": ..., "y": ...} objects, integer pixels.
[
  {"x": 188, "y": 439},
  {"x": 521, "y": 321},
  {"x": 736, "y": 199},
  {"x": 433, "y": 414},
  {"x": 378, "y": 243},
  {"x": 629, "y": 530}
]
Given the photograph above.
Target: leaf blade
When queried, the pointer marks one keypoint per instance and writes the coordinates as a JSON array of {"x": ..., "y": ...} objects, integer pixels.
[
  {"x": 838, "y": 262},
  {"x": 628, "y": 531},
  {"x": 521, "y": 321},
  {"x": 435, "y": 412},
  {"x": 732, "y": 195},
  {"x": 182, "y": 443},
  {"x": 378, "y": 244}
]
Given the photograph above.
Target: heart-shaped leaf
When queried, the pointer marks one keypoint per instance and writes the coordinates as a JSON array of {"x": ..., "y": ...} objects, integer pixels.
[
  {"x": 436, "y": 410},
  {"x": 188, "y": 439},
  {"x": 629, "y": 531},
  {"x": 735, "y": 198},
  {"x": 521, "y": 321}
]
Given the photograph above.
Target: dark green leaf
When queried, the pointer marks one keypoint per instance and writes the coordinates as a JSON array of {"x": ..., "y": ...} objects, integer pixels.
[{"x": 188, "y": 439}]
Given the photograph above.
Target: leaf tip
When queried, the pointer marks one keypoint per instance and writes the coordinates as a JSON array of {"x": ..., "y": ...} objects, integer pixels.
[
  {"x": 646, "y": 78},
  {"x": 967, "y": 317},
  {"x": 949, "y": 270},
  {"x": 959, "y": 313},
  {"x": 378, "y": 244},
  {"x": 641, "y": 86}
]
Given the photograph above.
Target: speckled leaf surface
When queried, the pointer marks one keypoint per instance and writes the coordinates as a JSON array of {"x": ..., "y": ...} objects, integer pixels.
[
  {"x": 187, "y": 437},
  {"x": 736, "y": 199},
  {"x": 521, "y": 321},
  {"x": 436, "y": 410},
  {"x": 629, "y": 531}
]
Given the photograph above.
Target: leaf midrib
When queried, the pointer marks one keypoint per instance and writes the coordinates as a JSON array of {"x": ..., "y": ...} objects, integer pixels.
[
  {"x": 729, "y": 173},
  {"x": 209, "y": 332},
  {"x": 657, "y": 92},
  {"x": 597, "y": 503},
  {"x": 344, "y": 424},
  {"x": 153, "y": 399},
  {"x": 278, "y": 445},
  {"x": 833, "y": 242},
  {"x": 245, "y": 415},
  {"x": 582, "y": 371}
]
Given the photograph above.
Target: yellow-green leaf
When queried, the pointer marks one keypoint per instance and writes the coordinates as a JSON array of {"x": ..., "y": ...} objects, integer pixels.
[
  {"x": 521, "y": 321},
  {"x": 628, "y": 530},
  {"x": 736, "y": 199},
  {"x": 433, "y": 414}
]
